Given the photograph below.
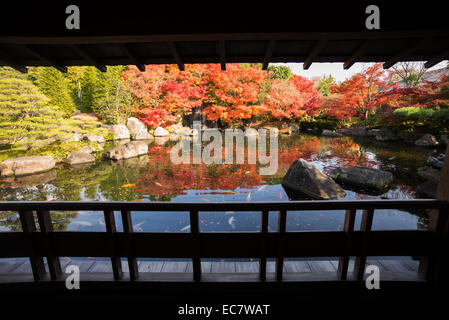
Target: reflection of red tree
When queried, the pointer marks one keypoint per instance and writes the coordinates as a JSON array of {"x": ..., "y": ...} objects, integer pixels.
[{"x": 162, "y": 177}]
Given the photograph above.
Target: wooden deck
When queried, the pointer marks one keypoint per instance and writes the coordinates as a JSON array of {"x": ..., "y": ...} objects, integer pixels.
[{"x": 182, "y": 270}]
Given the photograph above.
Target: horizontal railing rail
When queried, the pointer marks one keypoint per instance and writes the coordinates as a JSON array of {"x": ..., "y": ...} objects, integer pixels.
[{"x": 196, "y": 245}]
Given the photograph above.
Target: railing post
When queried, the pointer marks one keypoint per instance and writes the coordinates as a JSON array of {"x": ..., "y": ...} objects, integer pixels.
[
  {"x": 196, "y": 259},
  {"x": 116, "y": 262},
  {"x": 263, "y": 245},
  {"x": 54, "y": 264},
  {"x": 282, "y": 220},
  {"x": 36, "y": 261},
  {"x": 365, "y": 226},
  {"x": 128, "y": 230},
  {"x": 348, "y": 229}
]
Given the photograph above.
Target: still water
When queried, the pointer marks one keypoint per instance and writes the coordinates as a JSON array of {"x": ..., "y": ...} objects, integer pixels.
[{"x": 154, "y": 177}]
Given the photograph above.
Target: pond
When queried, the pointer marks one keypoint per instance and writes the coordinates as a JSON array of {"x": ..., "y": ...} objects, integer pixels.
[{"x": 154, "y": 177}]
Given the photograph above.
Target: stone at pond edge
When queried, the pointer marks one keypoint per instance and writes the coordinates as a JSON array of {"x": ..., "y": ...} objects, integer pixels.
[
  {"x": 435, "y": 163},
  {"x": 143, "y": 135},
  {"x": 79, "y": 157},
  {"x": 134, "y": 125},
  {"x": 362, "y": 177},
  {"x": 426, "y": 140},
  {"x": 127, "y": 150},
  {"x": 429, "y": 174},
  {"x": 305, "y": 178},
  {"x": 428, "y": 188},
  {"x": 385, "y": 135},
  {"x": 329, "y": 133},
  {"x": 120, "y": 131},
  {"x": 161, "y": 132},
  {"x": 26, "y": 165},
  {"x": 93, "y": 138}
]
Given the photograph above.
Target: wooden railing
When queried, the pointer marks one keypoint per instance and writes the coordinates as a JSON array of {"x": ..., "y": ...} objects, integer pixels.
[{"x": 196, "y": 245}]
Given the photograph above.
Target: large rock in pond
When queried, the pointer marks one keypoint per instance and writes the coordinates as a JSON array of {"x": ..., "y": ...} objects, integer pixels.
[
  {"x": 93, "y": 138},
  {"x": 161, "y": 132},
  {"x": 426, "y": 140},
  {"x": 428, "y": 189},
  {"x": 385, "y": 135},
  {"x": 134, "y": 125},
  {"x": 79, "y": 157},
  {"x": 26, "y": 165},
  {"x": 362, "y": 177},
  {"x": 305, "y": 178},
  {"x": 329, "y": 133},
  {"x": 127, "y": 150},
  {"x": 435, "y": 162},
  {"x": 143, "y": 135},
  {"x": 120, "y": 131}
]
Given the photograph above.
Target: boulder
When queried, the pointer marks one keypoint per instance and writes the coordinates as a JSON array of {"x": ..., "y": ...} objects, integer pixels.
[
  {"x": 135, "y": 126},
  {"x": 76, "y": 137},
  {"x": 26, "y": 165},
  {"x": 161, "y": 140},
  {"x": 372, "y": 132},
  {"x": 91, "y": 149},
  {"x": 161, "y": 132},
  {"x": 428, "y": 173},
  {"x": 435, "y": 163},
  {"x": 385, "y": 135},
  {"x": 120, "y": 131},
  {"x": 143, "y": 135},
  {"x": 428, "y": 189},
  {"x": 359, "y": 132},
  {"x": 426, "y": 140},
  {"x": 93, "y": 138},
  {"x": 127, "y": 150},
  {"x": 305, "y": 178},
  {"x": 344, "y": 131},
  {"x": 441, "y": 157},
  {"x": 362, "y": 177},
  {"x": 78, "y": 157},
  {"x": 329, "y": 133}
]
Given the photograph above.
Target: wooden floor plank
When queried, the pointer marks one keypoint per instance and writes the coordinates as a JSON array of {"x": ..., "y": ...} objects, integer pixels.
[
  {"x": 297, "y": 266},
  {"x": 247, "y": 267},
  {"x": 223, "y": 267}
]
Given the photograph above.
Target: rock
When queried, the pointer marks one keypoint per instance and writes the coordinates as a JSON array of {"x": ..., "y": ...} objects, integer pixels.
[
  {"x": 294, "y": 128},
  {"x": 443, "y": 140},
  {"x": 434, "y": 163},
  {"x": 127, "y": 150},
  {"x": 143, "y": 135},
  {"x": 161, "y": 140},
  {"x": 329, "y": 133},
  {"x": 87, "y": 149},
  {"x": 426, "y": 140},
  {"x": 372, "y": 132},
  {"x": 305, "y": 178},
  {"x": 359, "y": 132},
  {"x": 120, "y": 131},
  {"x": 428, "y": 173},
  {"x": 362, "y": 177},
  {"x": 135, "y": 126},
  {"x": 286, "y": 131},
  {"x": 78, "y": 157},
  {"x": 385, "y": 135},
  {"x": 31, "y": 180},
  {"x": 441, "y": 157},
  {"x": 93, "y": 138},
  {"x": 26, "y": 165},
  {"x": 161, "y": 132},
  {"x": 344, "y": 131},
  {"x": 428, "y": 189},
  {"x": 251, "y": 132}
]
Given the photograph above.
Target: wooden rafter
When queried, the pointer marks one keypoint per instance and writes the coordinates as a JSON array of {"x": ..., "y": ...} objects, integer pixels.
[
  {"x": 4, "y": 60},
  {"x": 222, "y": 52},
  {"x": 437, "y": 59},
  {"x": 268, "y": 53},
  {"x": 319, "y": 45},
  {"x": 176, "y": 56},
  {"x": 91, "y": 60},
  {"x": 360, "y": 51},
  {"x": 409, "y": 47},
  {"x": 136, "y": 60},
  {"x": 45, "y": 59}
]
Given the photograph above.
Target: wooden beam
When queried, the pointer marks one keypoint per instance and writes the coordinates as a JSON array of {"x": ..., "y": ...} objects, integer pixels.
[
  {"x": 13, "y": 65},
  {"x": 45, "y": 59},
  {"x": 176, "y": 56},
  {"x": 319, "y": 45},
  {"x": 356, "y": 54},
  {"x": 80, "y": 51},
  {"x": 222, "y": 52},
  {"x": 404, "y": 51},
  {"x": 136, "y": 60},
  {"x": 437, "y": 59},
  {"x": 268, "y": 53}
]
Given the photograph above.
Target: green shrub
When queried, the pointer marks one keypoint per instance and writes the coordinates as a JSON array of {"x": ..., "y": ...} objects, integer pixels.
[{"x": 434, "y": 120}]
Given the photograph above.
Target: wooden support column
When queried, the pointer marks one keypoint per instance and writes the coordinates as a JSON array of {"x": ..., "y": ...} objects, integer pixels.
[
  {"x": 54, "y": 265},
  {"x": 111, "y": 229},
  {"x": 435, "y": 267},
  {"x": 222, "y": 53},
  {"x": 282, "y": 221},
  {"x": 128, "y": 230},
  {"x": 343, "y": 262},
  {"x": 263, "y": 245},
  {"x": 365, "y": 226},
  {"x": 28, "y": 227},
  {"x": 195, "y": 231}
]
